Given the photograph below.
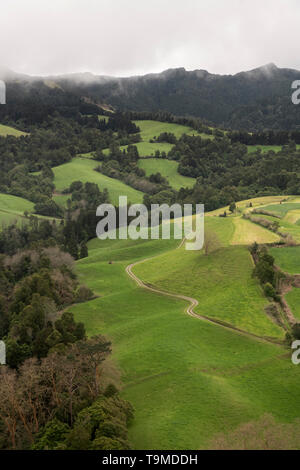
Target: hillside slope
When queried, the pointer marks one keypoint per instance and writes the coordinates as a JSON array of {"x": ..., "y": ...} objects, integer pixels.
[
  {"x": 253, "y": 100},
  {"x": 186, "y": 378},
  {"x": 257, "y": 99}
]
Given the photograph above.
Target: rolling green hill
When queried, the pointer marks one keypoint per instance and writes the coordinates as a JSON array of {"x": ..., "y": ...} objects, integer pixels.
[
  {"x": 12, "y": 208},
  {"x": 254, "y": 100},
  {"x": 287, "y": 258},
  {"x": 293, "y": 300},
  {"x": 245, "y": 205},
  {"x": 282, "y": 209},
  {"x": 14, "y": 204},
  {"x": 221, "y": 282},
  {"x": 61, "y": 199},
  {"x": 246, "y": 232},
  {"x": 150, "y": 129},
  {"x": 289, "y": 223},
  {"x": 288, "y": 211},
  {"x": 187, "y": 379},
  {"x": 83, "y": 169},
  {"x": 147, "y": 149},
  {"x": 6, "y": 130},
  {"x": 168, "y": 169}
]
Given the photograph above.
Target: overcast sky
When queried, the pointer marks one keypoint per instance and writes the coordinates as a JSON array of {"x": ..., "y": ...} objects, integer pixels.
[{"x": 128, "y": 37}]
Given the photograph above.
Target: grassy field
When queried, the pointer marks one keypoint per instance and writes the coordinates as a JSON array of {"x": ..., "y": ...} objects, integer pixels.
[
  {"x": 245, "y": 205},
  {"x": 293, "y": 216},
  {"x": 222, "y": 283},
  {"x": 83, "y": 169},
  {"x": 14, "y": 204},
  {"x": 287, "y": 258},
  {"x": 168, "y": 169},
  {"x": 146, "y": 149},
  {"x": 282, "y": 209},
  {"x": 187, "y": 379},
  {"x": 246, "y": 232},
  {"x": 7, "y": 218},
  {"x": 284, "y": 226},
  {"x": 61, "y": 199},
  {"x": 288, "y": 211},
  {"x": 292, "y": 229},
  {"x": 12, "y": 209},
  {"x": 290, "y": 216},
  {"x": 151, "y": 129},
  {"x": 6, "y": 130},
  {"x": 293, "y": 299}
]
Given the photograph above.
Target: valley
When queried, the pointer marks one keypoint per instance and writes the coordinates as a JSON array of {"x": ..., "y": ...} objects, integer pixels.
[
  {"x": 179, "y": 369},
  {"x": 196, "y": 346},
  {"x": 149, "y": 231}
]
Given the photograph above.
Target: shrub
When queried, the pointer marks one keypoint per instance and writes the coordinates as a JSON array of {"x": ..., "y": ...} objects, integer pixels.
[
  {"x": 52, "y": 435},
  {"x": 110, "y": 390},
  {"x": 254, "y": 248},
  {"x": 48, "y": 208},
  {"x": 232, "y": 207},
  {"x": 83, "y": 294},
  {"x": 270, "y": 291},
  {"x": 265, "y": 273},
  {"x": 296, "y": 331}
]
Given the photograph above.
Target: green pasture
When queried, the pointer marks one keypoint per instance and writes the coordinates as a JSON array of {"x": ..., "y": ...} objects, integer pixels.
[
  {"x": 7, "y": 131},
  {"x": 83, "y": 169},
  {"x": 12, "y": 209},
  {"x": 186, "y": 378},
  {"x": 169, "y": 170},
  {"x": 287, "y": 258}
]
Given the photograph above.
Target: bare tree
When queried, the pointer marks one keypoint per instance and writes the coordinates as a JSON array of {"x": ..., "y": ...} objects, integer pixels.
[
  {"x": 71, "y": 381},
  {"x": 8, "y": 400},
  {"x": 95, "y": 351},
  {"x": 211, "y": 242},
  {"x": 32, "y": 397},
  {"x": 59, "y": 383}
]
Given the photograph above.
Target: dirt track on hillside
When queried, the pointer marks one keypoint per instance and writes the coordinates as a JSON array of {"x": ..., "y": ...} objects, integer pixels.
[{"x": 193, "y": 303}]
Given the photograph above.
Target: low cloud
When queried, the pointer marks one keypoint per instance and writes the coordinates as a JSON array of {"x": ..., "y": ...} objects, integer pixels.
[{"x": 126, "y": 38}]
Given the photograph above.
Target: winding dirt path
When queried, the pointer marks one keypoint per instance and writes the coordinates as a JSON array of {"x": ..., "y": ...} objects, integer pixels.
[{"x": 193, "y": 303}]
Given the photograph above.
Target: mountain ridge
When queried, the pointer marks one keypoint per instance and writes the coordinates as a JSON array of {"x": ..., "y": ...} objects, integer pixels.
[
  {"x": 9, "y": 73},
  {"x": 253, "y": 100}
]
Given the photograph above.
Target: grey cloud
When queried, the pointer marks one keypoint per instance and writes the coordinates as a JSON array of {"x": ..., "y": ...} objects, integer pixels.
[{"x": 122, "y": 37}]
